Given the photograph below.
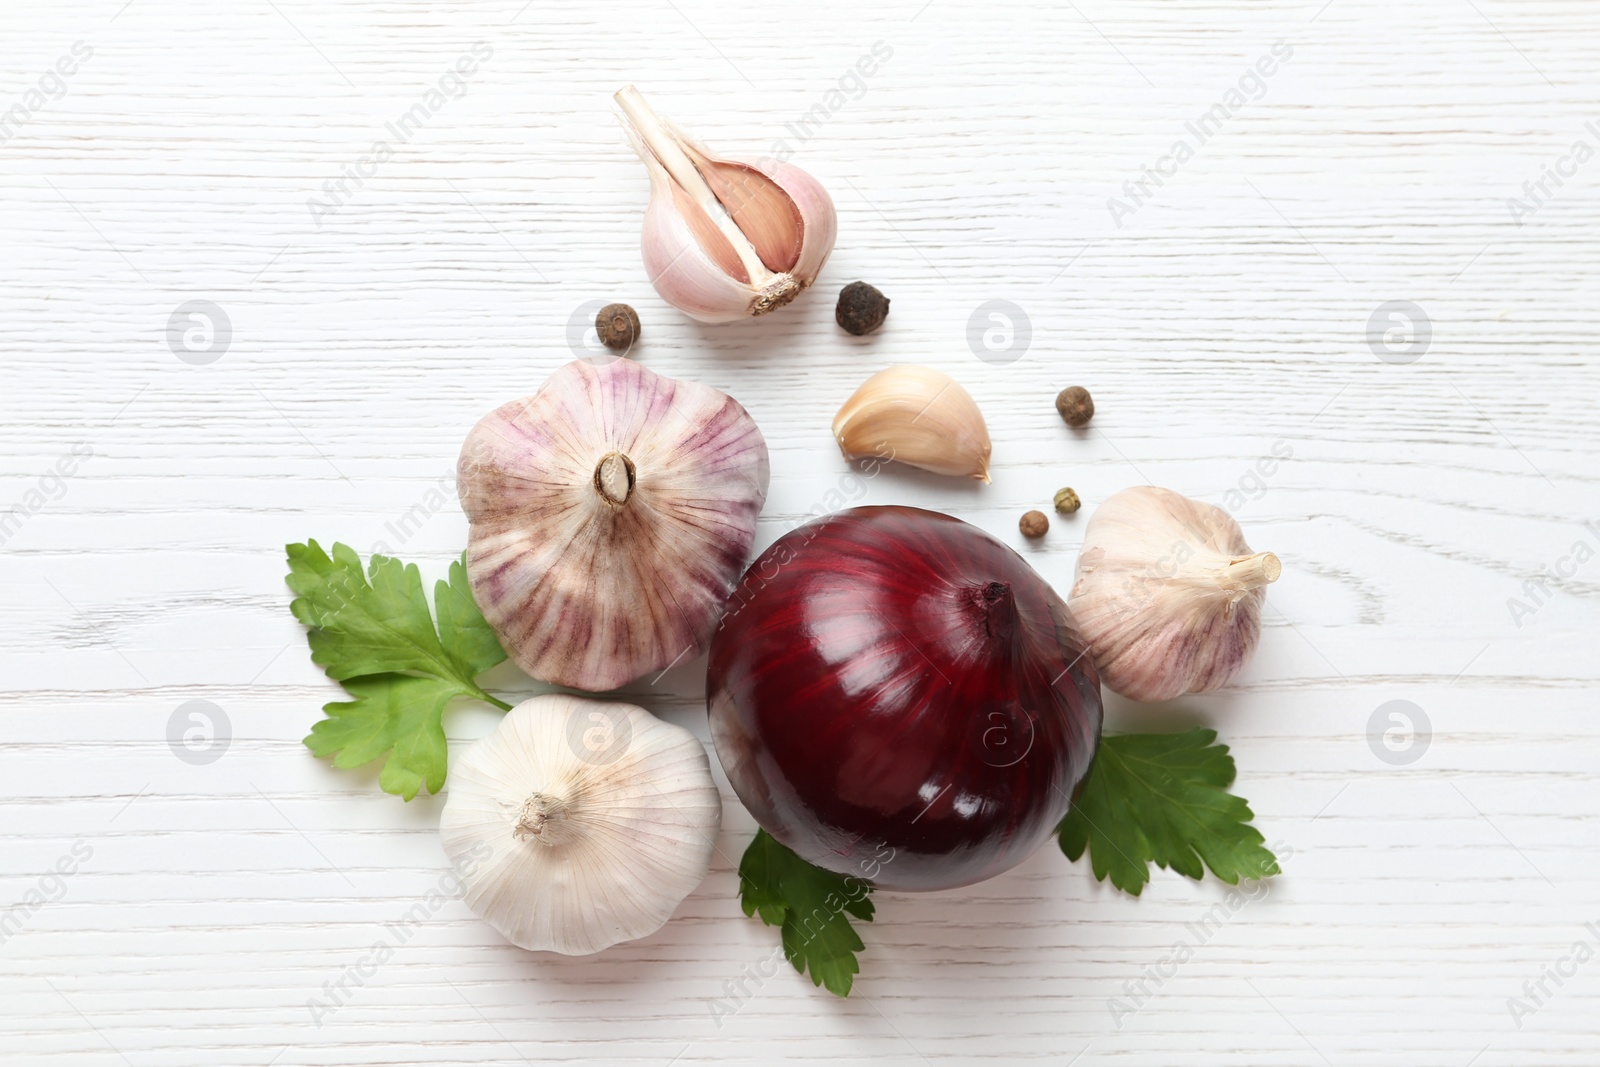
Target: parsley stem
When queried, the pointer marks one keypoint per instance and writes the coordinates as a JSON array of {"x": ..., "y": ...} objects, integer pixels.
[{"x": 496, "y": 701}]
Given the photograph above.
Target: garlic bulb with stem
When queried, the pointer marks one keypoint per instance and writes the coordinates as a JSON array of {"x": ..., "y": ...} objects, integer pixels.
[
  {"x": 611, "y": 513},
  {"x": 589, "y": 822},
  {"x": 726, "y": 238},
  {"x": 1168, "y": 594},
  {"x": 916, "y": 415}
]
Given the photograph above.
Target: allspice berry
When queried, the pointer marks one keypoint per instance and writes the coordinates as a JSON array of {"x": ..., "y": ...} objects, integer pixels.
[
  {"x": 1067, "y": 501},
  {"x": 618, "y": 327},
  {"x": 1076, "y": 405},
  {"x": 1034, "y": 524},
  {"x": 861, "y": 309}
]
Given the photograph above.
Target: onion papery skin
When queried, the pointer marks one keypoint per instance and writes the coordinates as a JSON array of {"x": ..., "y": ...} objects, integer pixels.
[{"x": 897, "y": 696}]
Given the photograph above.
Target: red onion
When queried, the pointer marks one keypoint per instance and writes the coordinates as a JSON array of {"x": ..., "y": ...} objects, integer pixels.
[{"x": 896, "y": 695}]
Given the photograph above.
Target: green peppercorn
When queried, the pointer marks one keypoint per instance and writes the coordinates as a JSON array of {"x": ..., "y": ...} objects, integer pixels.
[{"x": 1067, "y": 501}]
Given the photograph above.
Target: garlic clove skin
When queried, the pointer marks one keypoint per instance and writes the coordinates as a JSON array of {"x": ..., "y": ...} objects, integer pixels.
[
  {"x": 611, "y": 514},
  {"x": 818, "y": 220},
  {"x": 580, "y": 823},
  {"x": 685, "y": 274},
  {"x": 726, "y": 238},
  {"x": 916, "y": 415},
  {"x": 762, "y": 210},
  {"x": 1168, "y": 594}
]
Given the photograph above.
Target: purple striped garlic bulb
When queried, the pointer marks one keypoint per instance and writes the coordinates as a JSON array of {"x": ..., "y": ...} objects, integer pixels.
[
  {"x": 611, "y": 514},
  {"x": 1168, "y": 594},
  {"x": 726, "y": 238}
]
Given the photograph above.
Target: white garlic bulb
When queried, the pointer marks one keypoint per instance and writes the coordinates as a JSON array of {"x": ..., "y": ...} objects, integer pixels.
[
  {"x": 1168, "y": 594},
  {"x": 611, "y": 514},
  {"x": 915, "y": 415},
  {"x": 726, "y": 238},
  {"x": 589, "y": 821}
]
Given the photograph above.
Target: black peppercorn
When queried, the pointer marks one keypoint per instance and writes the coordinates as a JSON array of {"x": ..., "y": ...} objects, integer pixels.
[
  {"x": 1075, "y": 405},
  {"x": 618, "y": 327},
  {"x": 862, "y": 308}
]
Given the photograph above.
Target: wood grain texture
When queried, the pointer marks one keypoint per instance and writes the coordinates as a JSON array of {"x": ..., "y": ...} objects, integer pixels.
[{"x": 1225, "y": 316}]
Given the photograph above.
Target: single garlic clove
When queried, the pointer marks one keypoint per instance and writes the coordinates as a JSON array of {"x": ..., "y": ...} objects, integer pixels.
[
  {"x": 690, "y": 262},
  {"x": 726, "y": 238},
  {"x": 819, "y": 223},
  {"x": 580, "y": 823},
  {"x": 915, "y": 415},
  {"x": 760, "y": 207},
  {"x": 1168, "y": 594},
  {"x": 611, "y": 514}
]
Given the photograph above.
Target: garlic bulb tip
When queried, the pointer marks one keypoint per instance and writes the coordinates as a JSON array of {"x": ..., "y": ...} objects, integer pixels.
[
  {"x": 580, "y": 823},
  {"x": 1168, "y": 594},
  {"x": 610, "y": 515}
]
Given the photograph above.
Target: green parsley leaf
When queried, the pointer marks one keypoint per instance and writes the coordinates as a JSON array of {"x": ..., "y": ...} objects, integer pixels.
[
  {"x": 401, "y": 714},
  {"x": 811, "y": 906},
  {"x": 372, "y": 632},
  {"x": 1163, "y": 798}
]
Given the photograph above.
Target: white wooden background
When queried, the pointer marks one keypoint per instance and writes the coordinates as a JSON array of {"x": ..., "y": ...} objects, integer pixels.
[{"x": 1225, "y": 317}]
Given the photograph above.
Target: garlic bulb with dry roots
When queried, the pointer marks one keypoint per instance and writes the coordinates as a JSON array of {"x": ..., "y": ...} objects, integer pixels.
[
  {"x": 916, "y": 415},
  {"x": 1168, "y": 594},
  {"x": 596, "y": 819},
  {"x": 726, "y": 238},
  {"x": 611, "y": 514}
]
